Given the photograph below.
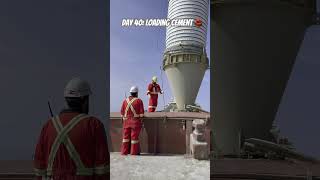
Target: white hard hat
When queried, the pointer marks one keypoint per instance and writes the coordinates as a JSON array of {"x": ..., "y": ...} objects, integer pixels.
[
  {"x": 134, "y": 89},
  {"x": 77, "y": 88},
  {"x": 154, "y": 78}
]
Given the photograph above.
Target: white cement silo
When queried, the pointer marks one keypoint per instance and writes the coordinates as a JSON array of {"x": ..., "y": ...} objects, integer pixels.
[{"x": 185, "y": 60}]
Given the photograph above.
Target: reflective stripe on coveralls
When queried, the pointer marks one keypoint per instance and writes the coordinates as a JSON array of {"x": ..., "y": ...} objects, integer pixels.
[
  {"x": 125, "y": 140},
  {"x": 134, "y": 141},
  {"x": 39, "y": 172},
  {"x": 59, "y": 139},
  {"x": 62, "y": 137},
  {"x": 100, "y": 170},
  {"x": 129, "y": 105},
  {"x": 81, "y": 169}
]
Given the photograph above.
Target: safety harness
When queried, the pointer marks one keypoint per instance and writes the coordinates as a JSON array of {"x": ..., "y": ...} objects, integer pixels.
[
  {"x": 154, "y": 90},
  {"x": 62, "y": 137},
  {"x": 129, "y": 105}
]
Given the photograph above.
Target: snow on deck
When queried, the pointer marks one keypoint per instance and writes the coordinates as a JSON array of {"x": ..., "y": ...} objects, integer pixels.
[{"x": 150, "y": 167}]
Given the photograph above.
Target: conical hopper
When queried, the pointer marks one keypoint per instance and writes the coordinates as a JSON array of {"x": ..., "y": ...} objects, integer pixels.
[{"x": 185, "y": 80}]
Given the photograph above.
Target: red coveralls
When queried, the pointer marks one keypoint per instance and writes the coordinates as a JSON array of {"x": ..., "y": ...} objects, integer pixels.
[
  {"x": 153, "y": 90},
  {"x": 131, "y": 112},
  {"x": 72, "y": 146}
]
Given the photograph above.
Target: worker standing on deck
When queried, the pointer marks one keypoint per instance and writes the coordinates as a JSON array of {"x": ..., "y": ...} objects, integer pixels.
[
  {"x": 153, "y": 91},
  {"x": 132, "y": 111},
  {"x": 73, "y": 145}
]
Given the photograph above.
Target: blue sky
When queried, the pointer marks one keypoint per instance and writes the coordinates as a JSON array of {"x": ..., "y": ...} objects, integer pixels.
[{"x": 136, "y": 53}]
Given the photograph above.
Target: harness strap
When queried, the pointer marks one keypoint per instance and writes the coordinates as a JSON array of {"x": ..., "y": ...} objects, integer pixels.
[
  {"x": 129, "y": 105},
  {"x": 70, "y": 147},
  {"x": 62, "y": 137}
]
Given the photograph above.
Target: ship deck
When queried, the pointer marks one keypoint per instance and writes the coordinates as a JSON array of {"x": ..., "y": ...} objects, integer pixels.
[{"x": 176, "y": 167}]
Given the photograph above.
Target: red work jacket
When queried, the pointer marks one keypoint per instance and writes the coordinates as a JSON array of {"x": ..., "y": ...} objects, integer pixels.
[
  {"x": 153, "y": 89},
  {"x": 132, "y": 118},
  {"x": 89, "y": 140}
]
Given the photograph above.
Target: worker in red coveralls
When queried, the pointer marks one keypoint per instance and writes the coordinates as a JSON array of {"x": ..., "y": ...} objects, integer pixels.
[
  {"x": 132, "y": 111},
  {"x": 153, "y": 91},
  {"x": 73, "y": 145}
]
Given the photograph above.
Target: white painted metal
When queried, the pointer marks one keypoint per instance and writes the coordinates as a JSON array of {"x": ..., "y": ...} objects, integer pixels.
[
  {"x": 185, "y": 60},
  {"x": 185, "y": 80},
  {"x": 187, "y": 9}
]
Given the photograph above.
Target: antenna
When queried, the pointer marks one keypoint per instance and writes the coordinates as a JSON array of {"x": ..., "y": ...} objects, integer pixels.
[
  {"x": 51, "y": 114},
  {"x": 164, "y": 102}
]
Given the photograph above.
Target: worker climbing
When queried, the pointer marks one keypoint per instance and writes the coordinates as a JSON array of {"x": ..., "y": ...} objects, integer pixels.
[
  {"x": 132, "y": 111},
  {"x": 73, "y": 145},
  {"x": 153, "y": 91}
]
